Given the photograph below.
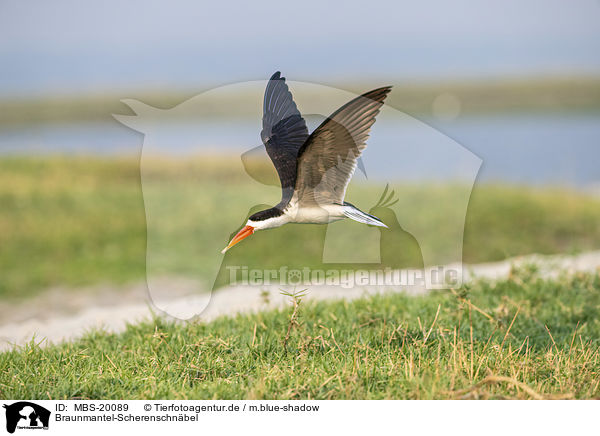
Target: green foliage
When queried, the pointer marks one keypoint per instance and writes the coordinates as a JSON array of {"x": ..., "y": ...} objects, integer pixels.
[{"x": 523, "y": 337}]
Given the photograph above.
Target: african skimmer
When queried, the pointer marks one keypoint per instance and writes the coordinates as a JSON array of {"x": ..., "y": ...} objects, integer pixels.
[{"x": 314, "y": 170}]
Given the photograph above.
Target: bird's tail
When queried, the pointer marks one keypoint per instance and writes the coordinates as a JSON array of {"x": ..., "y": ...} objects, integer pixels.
[{"x": 356, "y": 214}]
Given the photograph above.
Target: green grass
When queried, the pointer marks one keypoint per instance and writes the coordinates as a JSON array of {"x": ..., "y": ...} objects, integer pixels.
[
  {"x": 523, "y": 337},
  {"x": 69, "y": 222},
  {"x": 73, "y": 222}
]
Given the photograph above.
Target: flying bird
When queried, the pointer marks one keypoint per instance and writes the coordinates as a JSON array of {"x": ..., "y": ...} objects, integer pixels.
[{"x": 314, "y": 170}]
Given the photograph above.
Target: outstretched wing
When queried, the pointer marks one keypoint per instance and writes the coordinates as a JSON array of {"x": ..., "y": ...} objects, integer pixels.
[
  {"x": 328, "y": 158},
  {"x": 284, "y": 132}
]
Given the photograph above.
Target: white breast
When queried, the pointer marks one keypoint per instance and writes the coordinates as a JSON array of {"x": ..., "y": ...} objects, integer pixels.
[{"x": 314, "y": 214}]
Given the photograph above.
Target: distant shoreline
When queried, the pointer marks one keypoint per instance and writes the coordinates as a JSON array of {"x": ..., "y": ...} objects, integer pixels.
[{"x": 557, "y": 95}]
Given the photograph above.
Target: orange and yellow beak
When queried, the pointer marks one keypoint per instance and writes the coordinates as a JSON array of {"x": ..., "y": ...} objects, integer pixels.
[{"x": 244, "y": 233}]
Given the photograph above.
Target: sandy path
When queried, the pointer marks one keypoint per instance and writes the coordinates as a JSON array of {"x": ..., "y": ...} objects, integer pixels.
[{"x": 59, "y": 314}]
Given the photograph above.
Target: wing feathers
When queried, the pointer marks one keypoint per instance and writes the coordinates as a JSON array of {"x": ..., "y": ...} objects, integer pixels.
[
  {"x": 284, "y": 131},
  {"x": 316, "y": 168},
  {"x": 329, "y": 157}
]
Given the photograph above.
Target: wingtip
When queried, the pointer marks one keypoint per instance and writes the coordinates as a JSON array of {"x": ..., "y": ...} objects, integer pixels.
[
  {"x": 378, "y": 94},
  {"x": 385, "y": 89},
  {"x": 276, "y": 76}
]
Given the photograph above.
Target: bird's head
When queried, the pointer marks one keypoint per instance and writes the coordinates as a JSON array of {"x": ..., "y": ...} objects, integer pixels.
[{"x": 265, "y": 219}]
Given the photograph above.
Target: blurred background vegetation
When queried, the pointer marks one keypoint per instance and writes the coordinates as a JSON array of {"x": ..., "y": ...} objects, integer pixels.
[
  {"x": 545, "y": 95},
  {"x": 75, "y": 221}
]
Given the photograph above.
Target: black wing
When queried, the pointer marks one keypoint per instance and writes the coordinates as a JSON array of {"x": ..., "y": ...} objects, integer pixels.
[
  {"x": 284, "y": 132},
  {"x": 329, "y": 157}
]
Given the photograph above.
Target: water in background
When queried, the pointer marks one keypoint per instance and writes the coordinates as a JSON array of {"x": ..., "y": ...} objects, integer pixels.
[{"x": 558, "y": 149}]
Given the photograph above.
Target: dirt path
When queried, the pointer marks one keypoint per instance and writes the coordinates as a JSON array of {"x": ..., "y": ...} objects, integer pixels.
[{"x": 60, "y": 314}]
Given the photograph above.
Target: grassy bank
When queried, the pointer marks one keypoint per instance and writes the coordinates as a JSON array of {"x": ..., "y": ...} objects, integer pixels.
[
  {"x": 79, "y": 221},
  {"x": 520, "y": 338}
]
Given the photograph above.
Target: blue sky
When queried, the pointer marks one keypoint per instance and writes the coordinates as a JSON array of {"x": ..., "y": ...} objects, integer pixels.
[{"x": 90, "y": 47}]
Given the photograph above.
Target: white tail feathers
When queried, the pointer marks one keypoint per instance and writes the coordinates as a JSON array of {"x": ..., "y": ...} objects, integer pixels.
[{"x": 358, "y": 215}]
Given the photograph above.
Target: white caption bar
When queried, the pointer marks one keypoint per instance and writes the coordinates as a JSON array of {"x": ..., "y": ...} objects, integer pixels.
[{"x": 150, "y": 417}]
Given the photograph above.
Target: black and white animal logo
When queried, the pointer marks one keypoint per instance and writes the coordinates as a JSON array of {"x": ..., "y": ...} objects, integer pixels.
[{"x": 26, "y": 415}]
